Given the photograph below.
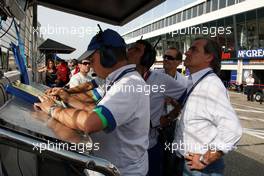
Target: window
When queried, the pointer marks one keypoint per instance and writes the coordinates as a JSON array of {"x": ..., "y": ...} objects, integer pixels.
[
  {"x": 222, "y": 4},
  {"x": 166, "y": 21},
  {"x": 171, "y": 20},
  {"x": 214, "y": 5},
  {"x": 179, "y": 17},
  {"x": 162, "y": 23},
  {"x": 251, "y": 28},
  {"x": 208, "y": 6},
  {"x": 189, "y": 13},
  {"x": 184, "y": 15},
  {"x": 241, "y": 31},
  {"x": 260, "y": 14},
  {"x": 174, "y": 19},
  {"x": 230, "y": 36},
  {"x": 155, "y": 26},
  {"x": 230, "y": 2},
  {"x": 194, "y": 11},
  {"x": 149, "y": 28},
  {"x": 200, "y": 12},
  {"x": 159, "y": 24}
]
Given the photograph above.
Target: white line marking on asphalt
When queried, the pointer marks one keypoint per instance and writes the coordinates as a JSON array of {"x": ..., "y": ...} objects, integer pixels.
[
  {"x": 257, "y": 131},
  {"x": 250, "y": 107},
  {"x": 253, "y": 133},
  {"x": 247, "y": 110},
  {"x": 251, "y": 119}
]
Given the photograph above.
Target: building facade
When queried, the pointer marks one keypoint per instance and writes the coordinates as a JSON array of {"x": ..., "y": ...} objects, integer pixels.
[
  {"x": 238, "y": 25},
  {"x": 8, "y": 34}
]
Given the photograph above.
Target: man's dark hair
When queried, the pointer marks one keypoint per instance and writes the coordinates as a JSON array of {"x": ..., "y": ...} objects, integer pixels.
[
  {"x": 86, "y": 59},
  {"x": 149, "y": 55},
  {"x": 179, "y": 54},
  {"x": 212, "y": 47},
  {"x": 74, "y": 62}
]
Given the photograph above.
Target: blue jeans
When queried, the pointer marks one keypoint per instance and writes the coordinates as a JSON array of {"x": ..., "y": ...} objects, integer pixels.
[{"x": 214, "y": 169}]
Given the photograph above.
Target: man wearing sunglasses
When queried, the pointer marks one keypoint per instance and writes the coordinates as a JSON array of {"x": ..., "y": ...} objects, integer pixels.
[
  {"x": 82, "y": 76},
  {"x": 172, "y": 58},
  {"x": 143, "y": 54}
]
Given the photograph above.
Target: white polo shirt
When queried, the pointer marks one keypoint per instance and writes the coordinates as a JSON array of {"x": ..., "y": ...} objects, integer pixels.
[
  {"x": 169, "y": 87},
  {"x": 78, "y": 79},
  {"x": 124, "y": 142},
  {"x": 181, "y": 79},
  {"x": 178, "y": 76},
  {"x": 250, "y": 81}
]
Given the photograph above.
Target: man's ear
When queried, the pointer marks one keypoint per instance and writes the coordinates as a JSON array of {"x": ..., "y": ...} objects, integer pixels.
[{"x": 209, "y": 58}]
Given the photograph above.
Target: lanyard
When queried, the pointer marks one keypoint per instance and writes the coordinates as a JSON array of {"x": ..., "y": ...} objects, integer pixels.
[
  {"x": 175, "y": 77},
  {"x": 146, "y": 75},
  {"x": 123, "y": 73},
  {"x": 188, "y": 94}
]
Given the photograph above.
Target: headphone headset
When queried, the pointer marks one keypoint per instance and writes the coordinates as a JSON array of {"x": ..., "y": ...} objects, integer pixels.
[
  {"x": 149, "y": 56},
  {"x": 107, "y": 56}
]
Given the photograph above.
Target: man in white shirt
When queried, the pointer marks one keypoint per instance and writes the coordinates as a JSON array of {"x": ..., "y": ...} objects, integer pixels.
[
  {"x": 250, "y": 87},
  {"x": 161, "y": 86},
  {"x": 172, "y": 58},
  {"x": 208, "y": 127},
  {"x": 120, "y": 120},
  {"x": 83, "y": 75}
]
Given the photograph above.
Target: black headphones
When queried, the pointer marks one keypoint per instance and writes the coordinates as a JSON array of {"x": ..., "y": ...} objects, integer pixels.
[
  {"x": 107, "y": 56},
  {"x": 149, "y": 56}
]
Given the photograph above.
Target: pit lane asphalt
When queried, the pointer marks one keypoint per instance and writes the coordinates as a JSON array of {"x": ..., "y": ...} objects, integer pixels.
[{"x": 248, "y": 159}]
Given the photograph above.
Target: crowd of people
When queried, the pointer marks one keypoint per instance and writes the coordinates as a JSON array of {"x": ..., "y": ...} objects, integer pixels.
[
  {"x": 65, "y": 74},
  {"x": 183, "y": 126}
]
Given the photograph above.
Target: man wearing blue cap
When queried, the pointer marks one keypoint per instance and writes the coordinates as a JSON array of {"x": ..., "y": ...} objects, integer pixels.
[{"x": 119, "y": 122}]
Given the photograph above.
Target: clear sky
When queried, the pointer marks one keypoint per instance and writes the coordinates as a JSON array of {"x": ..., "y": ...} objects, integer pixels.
[{"x": 77, "y": 31}]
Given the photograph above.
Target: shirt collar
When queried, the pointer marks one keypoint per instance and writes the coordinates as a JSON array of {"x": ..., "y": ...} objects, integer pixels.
[
  {"x": 112, "y": 76},
  {"x": 197, "y": 75}
]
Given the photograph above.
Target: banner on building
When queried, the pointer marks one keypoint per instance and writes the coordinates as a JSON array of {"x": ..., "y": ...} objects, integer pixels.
[{"x": 248, "y": 54}]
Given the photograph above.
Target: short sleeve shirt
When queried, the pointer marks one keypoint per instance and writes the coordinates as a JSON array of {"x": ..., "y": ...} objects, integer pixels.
[
  {"x": 78, "y": 79},
  {"x": 162, "y": 86},
  {"x": 124, "y": 142}
]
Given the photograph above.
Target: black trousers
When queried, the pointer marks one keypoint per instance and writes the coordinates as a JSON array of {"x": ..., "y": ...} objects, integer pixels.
[
  {"x": 173, "y": 166},
  {"x": 250, "y": 93}
]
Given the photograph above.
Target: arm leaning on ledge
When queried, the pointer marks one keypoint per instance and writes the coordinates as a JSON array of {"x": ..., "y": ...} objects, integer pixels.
[{"x": 85, "y": 120}]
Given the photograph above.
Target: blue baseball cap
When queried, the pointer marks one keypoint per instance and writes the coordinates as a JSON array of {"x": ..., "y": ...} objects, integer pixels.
[{"x": 107, "y": 38}]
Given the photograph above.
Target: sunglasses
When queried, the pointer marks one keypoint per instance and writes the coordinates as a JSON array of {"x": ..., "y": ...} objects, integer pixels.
[
  {"x": 168, "y": 57},
  {"x": 86, "y": 63}
]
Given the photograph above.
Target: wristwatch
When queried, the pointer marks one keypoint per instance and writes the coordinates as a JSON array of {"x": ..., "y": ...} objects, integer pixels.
[
  {"x": 51, "y": 110},
  {"x": 201, "y": 159}
]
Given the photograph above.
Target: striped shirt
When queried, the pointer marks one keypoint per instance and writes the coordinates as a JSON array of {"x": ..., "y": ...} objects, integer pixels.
[{"x": 208, "y": 120}]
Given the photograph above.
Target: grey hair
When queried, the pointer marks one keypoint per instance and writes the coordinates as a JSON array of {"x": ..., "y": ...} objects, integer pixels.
[{"x": 212, "y": 47}]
